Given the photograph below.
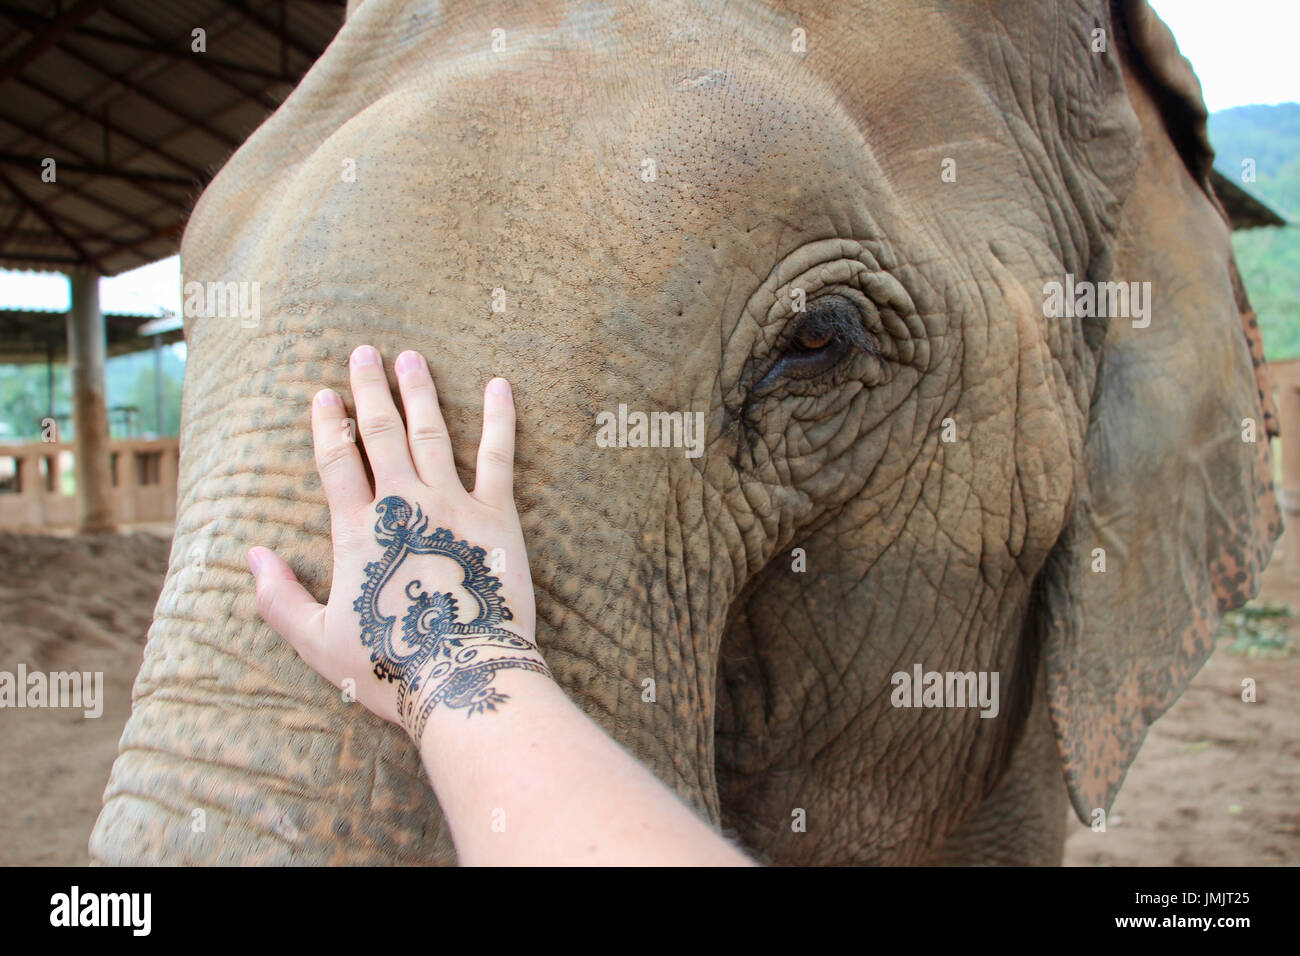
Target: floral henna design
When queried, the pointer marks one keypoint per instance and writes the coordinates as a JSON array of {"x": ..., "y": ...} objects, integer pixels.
[{"x": 451, "y": 662}]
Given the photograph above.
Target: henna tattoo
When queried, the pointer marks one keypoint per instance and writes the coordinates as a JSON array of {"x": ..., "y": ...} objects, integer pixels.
[{"x": 450, "y": 661}]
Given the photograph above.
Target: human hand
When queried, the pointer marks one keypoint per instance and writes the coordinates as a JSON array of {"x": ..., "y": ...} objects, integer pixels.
[{"x": 431, "y": 596}]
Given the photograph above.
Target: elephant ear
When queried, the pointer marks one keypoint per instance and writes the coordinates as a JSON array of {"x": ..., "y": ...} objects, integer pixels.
[{"x": 1174, "y": 514}]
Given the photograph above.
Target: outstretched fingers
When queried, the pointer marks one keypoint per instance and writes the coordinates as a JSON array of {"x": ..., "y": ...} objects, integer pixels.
[
  {"x": 342, "y": 474},
  {"x": 495, "y": 470},
  {"x": 426, "y": 432},
  {"x": 382, "y": 429},
  {"x": 418, "y": 448}
]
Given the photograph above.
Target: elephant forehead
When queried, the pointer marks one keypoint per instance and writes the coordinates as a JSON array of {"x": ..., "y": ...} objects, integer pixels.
[
  {"x": 652, "y": 148},
  {"x": 606, "y": 202},
  {"x": 684, "y": 150},
  {"x": 630, "y": 129},
  {"x": 655, "y": 172}
]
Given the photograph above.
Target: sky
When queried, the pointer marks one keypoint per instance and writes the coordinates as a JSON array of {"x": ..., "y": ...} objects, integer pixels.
[{"x": 1243, "y": 52}]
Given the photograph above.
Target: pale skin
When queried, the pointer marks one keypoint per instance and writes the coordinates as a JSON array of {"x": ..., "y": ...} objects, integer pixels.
[{"x": 533, "y": 780}]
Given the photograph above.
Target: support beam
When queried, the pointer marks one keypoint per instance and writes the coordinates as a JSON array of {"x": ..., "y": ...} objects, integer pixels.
[
  {"x": 49, "y": 383},
  {"x": 76, "y": 109},
  {"x": 273, "y": 28},
  {"x": 1288, "y": 413},
  {"x": 29, "y": 162},
  {"x": 159, "y": 419},
  {"x": 87, "y": 347},
  {"x": 63, "y": 23},
  {"x": 39, "y": 212},
  {"x": 35, "y": 22}
]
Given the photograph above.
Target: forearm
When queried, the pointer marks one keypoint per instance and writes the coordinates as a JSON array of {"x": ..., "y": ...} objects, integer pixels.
[{"x": 537, "y": 782}]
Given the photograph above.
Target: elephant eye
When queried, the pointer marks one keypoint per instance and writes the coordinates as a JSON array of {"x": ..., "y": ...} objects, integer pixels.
[
  {"x": 820, "y": 339},
  {"x": 810, "y": 340}
]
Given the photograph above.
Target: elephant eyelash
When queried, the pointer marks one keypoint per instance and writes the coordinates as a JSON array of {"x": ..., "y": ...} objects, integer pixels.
[
  {"x": 835, "y": 326},
  {"x": 820, "y": 341}
]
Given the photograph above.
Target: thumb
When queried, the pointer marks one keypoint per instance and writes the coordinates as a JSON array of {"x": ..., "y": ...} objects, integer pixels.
[{"x": 287, "y": 606}]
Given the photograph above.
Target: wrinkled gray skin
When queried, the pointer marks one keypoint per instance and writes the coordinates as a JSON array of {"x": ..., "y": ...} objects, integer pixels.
[{"x": 822, "y": 170}]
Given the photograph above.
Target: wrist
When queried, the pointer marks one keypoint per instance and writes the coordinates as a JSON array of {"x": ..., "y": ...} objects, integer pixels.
[{"x": 469, "y": 682}]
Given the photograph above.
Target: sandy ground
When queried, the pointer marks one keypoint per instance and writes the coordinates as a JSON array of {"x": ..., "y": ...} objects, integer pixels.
[
  {"x": 1216, "y": 783},
  {"x": 68, "y": 604}
]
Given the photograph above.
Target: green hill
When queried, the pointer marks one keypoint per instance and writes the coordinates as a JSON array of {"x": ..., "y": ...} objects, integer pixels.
[{"x": 1269, "y": 258}]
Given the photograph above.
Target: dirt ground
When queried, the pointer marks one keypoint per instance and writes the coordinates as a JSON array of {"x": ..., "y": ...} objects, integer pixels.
[
  {"x": 1216, "y": 783},
  {"x": 68, "y": 604}
]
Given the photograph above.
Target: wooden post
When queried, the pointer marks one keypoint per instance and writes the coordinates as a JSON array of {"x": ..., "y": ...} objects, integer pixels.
[
  {"x": 87, "y": 347},
  {"x": 1288, "y": 410},
  {"x": 158, "y": 416},
  {"x": 49, "y": 386}
]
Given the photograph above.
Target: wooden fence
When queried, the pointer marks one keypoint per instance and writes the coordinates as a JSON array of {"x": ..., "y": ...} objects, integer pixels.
[{"x": 36, "y": 490}]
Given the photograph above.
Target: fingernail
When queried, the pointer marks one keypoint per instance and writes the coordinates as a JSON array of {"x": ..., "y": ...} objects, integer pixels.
[
  {"x": 409, "y": 362},
  {"x": 365, "y": 355},
  {"x": 499, "y": 386},
  {"x": 327, "y": 396},
  {"x": 255, "y": 560}
]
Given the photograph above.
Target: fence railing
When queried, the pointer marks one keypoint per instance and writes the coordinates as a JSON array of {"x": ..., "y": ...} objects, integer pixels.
[{"x": 37, "y": 482}]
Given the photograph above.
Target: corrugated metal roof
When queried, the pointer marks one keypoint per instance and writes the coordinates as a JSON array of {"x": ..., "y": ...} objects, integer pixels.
[
  {"x": 35, "y": 335},
  {"x": 136, "y": 120}
]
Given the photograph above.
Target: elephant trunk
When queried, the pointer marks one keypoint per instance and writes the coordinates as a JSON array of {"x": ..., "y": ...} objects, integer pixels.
[
  {"x": 438, "y": 212},
  {"x": 237, "y": 752}
]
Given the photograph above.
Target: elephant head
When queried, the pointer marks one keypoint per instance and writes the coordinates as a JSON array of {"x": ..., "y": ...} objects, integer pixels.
[{"x": 852, "y": 243}]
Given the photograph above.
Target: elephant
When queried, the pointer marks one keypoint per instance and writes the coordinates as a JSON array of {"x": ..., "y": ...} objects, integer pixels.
[{"x": 833, "y": 236}]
